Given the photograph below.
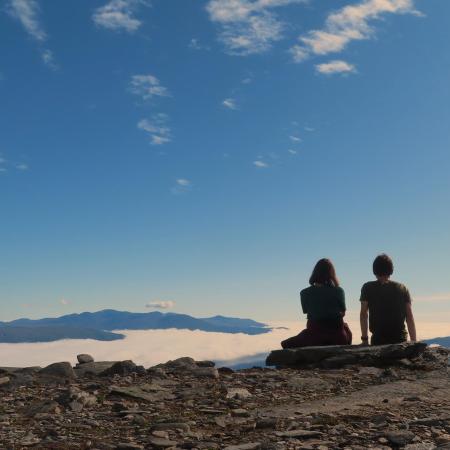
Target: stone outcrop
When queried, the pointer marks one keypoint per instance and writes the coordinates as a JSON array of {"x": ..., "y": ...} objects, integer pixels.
[
  {"x": 402, "y": 404},
  {"x": 336, "y": 356}
]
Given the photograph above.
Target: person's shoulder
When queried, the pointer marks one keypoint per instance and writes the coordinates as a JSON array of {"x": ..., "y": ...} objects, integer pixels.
[
  {"x": 399, "y": 286},
  {"x": 306, "y": 291},
  {"x": 369, "y": 284},
  {"x": 339, "y": 289}
]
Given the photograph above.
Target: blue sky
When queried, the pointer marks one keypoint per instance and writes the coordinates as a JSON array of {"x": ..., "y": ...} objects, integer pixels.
[{"x": 207, "y": 153}]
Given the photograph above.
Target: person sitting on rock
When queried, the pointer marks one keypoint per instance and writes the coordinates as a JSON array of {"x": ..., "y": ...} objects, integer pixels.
[
  {"x": 324, "y": 304},
  {"x": 385, "y": 306}
]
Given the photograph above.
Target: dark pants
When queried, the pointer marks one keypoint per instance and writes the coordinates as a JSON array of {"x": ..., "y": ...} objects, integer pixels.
[{"x": 319, "y": 334}]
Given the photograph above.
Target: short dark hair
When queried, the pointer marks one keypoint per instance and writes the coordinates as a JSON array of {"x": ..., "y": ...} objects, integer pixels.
[
  {"x": 324, "y": 273},
  {"x": 383, "y": 266}
]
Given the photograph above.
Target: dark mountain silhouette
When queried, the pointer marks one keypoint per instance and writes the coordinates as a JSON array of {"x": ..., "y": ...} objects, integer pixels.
[
  {"x": 87, "y": 323},
  {"x": 443, "y": 341},
  {"x": 14, "y": 335}
]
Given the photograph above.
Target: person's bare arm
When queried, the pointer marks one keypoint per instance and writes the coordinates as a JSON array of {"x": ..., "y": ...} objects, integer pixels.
[
  {"x": 363, "y": 320},
  {"x": 410, "y": 323}
]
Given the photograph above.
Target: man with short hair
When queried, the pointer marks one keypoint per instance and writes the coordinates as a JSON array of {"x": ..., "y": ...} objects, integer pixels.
[{"x": 385, "y": 306}]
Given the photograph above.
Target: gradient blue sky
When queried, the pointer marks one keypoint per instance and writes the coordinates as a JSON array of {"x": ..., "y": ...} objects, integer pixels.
[{"x": 209, "y": 152}]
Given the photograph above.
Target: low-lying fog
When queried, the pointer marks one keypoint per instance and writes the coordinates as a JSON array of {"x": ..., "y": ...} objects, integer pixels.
[{"x": 152, "y": 347}]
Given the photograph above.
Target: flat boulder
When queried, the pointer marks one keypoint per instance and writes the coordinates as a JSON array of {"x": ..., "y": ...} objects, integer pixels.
[
  {"x": 335, "y": 356},
  {"x": 59, "y": 370}
]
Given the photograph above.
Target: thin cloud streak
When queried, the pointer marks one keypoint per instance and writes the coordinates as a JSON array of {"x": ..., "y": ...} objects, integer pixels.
[
  {"x": 27, "y": 13},
  {"x": 161, "y": 304},
  {"x": 348, "y": 24},
  {"x": 230, "y": 103},
  {"x": 334, "y": 67}
]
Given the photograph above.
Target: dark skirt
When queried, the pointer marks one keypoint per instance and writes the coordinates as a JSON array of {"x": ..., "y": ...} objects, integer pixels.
[{"x": 320, "y": 334}]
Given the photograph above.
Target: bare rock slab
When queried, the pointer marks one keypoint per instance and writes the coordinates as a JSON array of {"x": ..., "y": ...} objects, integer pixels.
[{"x": 335, "y": 356}]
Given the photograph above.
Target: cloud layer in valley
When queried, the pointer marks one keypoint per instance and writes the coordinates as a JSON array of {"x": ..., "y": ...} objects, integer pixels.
[{"x": 155, "y": 346}]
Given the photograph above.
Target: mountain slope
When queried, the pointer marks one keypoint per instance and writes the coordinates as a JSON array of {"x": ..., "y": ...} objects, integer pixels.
[{"x": 108, "y": 320}]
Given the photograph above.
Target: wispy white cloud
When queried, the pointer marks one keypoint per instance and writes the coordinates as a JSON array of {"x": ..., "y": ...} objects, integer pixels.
[
  {"x": 295, "y": 139},
  {"x": 27, "y": 12},
  {"x": 194, "y": 44},
  {"x": 292, "y": 151},
  {"x": 230, "y": 103},
  {"x": 350, "y": 23},
  {"x": 182, "y": 185},
  {"x": 48, "y": 58},
  {"x": 147, "y": 86},
  {"x": 161, "y": 304},
  {"x": 157, "y": 127},
  {"x": 248, "y": 27},
  {"x": 260, "y": 164},
  {"x": 309, "y": 129},
  {"x": 22, "y": 166},
  {"x": 336, "y": 66},
  {"x": 64, "y": 302},
  {"x": 119, "y": 15}
]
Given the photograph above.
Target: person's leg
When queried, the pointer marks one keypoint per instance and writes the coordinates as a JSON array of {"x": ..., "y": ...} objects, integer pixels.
[
  {"x": 301, "y": 340},
  {"x": 348, "y": 334}
]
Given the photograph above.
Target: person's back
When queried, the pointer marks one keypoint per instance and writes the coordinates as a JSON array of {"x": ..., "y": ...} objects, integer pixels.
[
  {"x": 388, "y": 305},
  {"x": 323, "y": 303}
]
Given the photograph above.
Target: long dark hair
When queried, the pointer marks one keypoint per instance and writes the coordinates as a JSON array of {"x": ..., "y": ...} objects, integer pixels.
[{"x": 324, "y": 273}]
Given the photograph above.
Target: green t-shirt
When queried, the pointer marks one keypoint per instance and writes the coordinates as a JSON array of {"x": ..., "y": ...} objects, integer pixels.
[
  {"x": 323, "y": 303},
  {"x": 387, "y": 310}
]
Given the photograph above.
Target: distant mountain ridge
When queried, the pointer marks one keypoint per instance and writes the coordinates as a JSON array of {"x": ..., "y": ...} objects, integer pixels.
[
  {"x": 98, "y": 325},
  {"x": 442, "y": 341}
]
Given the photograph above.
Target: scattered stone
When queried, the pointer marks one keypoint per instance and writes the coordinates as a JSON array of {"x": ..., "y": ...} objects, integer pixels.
[
  {"x": 162, "y": 442},
  {"x": 124, "y": 368},
  {"x": 238, "y": 393},
  {"x": 4, "y": 380},
  {"x": 303, "y": 434},
  {"x": 171, "y": 426},
  {"x": 400, "y": 437},
  {"x": 85, "y": 359},
  {"x": 249, "y": 446},
  {"x": 129, "y": 446}
]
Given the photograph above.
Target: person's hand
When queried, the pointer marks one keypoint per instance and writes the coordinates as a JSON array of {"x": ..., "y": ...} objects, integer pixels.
[{"x": 364, "y": 341}]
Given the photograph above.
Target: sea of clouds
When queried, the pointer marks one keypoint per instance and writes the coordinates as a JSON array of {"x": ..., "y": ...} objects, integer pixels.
[{"x": 151, "y": 347}]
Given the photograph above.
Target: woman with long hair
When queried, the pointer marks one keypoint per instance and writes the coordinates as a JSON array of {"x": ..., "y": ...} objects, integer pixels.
[{"x": 323, "y": 302}]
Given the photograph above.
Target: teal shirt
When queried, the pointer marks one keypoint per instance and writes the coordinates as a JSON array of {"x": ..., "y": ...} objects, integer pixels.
[{"x": 323, "y": 302}]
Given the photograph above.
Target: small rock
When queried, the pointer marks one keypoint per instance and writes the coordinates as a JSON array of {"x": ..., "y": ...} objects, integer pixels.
[
  {"x": 162, "y": 442},
  {"x": 249, "y": 446},
  {"x": 171, "y": 426},
  {"x": 4, "y": 380},
  {"x": 238, "y": 393},
  {"x": 400, "y": 437},
  {"x": 85, "y": 359},
  {"x": 124, "y": 368},
  {"x": 129, "y": 446},
  {"x": 298, "y": 434},
  {"x": 240, "y": 412}
]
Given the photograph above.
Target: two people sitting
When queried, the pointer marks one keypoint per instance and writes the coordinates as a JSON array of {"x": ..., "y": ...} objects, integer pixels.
[{"x": 385, "y": 306}]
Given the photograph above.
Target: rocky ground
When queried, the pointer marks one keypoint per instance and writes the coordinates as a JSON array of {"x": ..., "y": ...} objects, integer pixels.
[{"x": 185, "y": 404}]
